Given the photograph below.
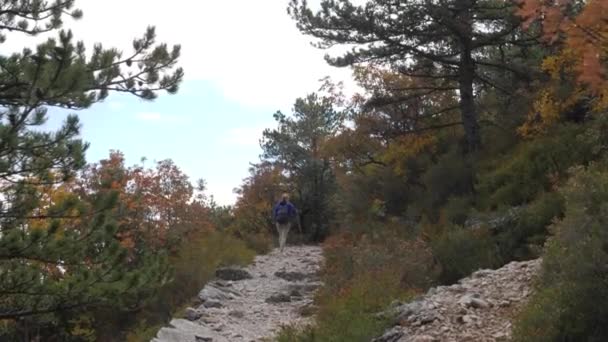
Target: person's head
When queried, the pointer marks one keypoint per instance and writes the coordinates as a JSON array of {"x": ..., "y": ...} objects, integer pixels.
[{"x": 285, "y": 197}]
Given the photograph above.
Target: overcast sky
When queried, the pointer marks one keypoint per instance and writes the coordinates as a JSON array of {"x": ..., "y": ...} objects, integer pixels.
[{"x": 243, "y": 60}]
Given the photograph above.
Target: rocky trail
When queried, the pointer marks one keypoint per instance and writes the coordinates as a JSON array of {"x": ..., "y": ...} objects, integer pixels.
[
  {"x": 252, "y": 303},
  {"x": 478, "y": 308}
]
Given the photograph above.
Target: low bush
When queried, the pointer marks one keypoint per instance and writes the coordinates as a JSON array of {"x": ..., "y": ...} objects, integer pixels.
[
  {"x": 451, "y": 176},
  {"x": 539, "y": 165},
  {"x": 523, "y": 237},
  {"x": 456, "y": 210},
  {"x": 461, "y": 251},
  {"x": 261, "y": 243},
  {"x": 362, "y": 275},
  {"x": 571, "y": 299},
  {"x": 194, "y": 265}
]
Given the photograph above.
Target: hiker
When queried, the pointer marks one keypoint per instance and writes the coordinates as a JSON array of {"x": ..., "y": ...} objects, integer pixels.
[{"x": 284, "y": 212}]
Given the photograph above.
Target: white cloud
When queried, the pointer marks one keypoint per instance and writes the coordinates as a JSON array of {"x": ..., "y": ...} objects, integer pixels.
[{"x": 252, "y": 50}]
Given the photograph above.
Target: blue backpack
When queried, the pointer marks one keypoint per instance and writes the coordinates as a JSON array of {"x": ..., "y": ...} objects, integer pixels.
[{"x": 283, "y": 213}]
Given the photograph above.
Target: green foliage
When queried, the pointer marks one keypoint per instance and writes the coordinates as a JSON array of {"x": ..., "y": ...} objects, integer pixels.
[
  {"x": 457, "y": 210},
  {"x": 197, "y": 260},
  {"x": 143, "y": 332},
  {"x": 523, "y": 237},
  {"x": 253, "y": 210},
  {"x": 402, "y": 39},
  {"x": 63, "y": 256},
  {"x": 195, "y": 264},
  {"x": 461, "y": 251},
  {"x": 260, "y": 243},
  {"x": 571, "y": 300},
  {"x": 296, "y": 147},
  {"x": 221, "y": 216},
  {"x": 538, "y": 165},
  {"x": 376, "y": 193},
  {"x": 294, "y": 334},
  {"x": 450, "y": 175},
  {"x": 350, "y": 316}
]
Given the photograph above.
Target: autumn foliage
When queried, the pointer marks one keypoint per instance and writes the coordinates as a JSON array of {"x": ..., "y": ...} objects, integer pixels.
[
  {"x": 580, "y": 28},
  {"x": 157, "y": 205},
  {"x": 577, "y": 71}
]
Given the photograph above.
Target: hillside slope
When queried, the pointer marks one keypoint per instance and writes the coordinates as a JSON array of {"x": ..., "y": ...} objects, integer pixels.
[{"x": 478, "y": 308}]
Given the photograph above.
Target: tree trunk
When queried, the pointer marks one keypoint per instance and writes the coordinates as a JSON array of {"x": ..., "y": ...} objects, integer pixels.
[
  {"x": 466, "y": 70},
  {"x": 468, "y": 111}
]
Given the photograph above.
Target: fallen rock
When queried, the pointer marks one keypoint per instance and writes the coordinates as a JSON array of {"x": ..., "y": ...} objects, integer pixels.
[
  {"x": 473, "y": 301},
  {"x": 424, "y": 338},
  {"x": 210, "y": 320},
  {"x": 292, "y": 276},
  {"x": 504, "y": 304},
  {"x": 193, "y": 314},
  {"x": 303, "y": 288},
  {"x": 222, "y": 283},
  {"x": 181, "y": 330},
  {"x": 211, "y": 293},
  {"x": 467, "y": 319},
  {"x": 427, "y": 318},
  {"x": 203, "y": 339},
  {"x": 232, "y": 273},
  {"x": 404, "y": 311},
  {"x": 219, "y": 328},
  {"x": 236, "y": 314},
  {"x": 392, "y": 335},
  {"x": 212, "y": 304},
  {"x": 216, "y": 294},
  {"x": 278, "y": 298}
]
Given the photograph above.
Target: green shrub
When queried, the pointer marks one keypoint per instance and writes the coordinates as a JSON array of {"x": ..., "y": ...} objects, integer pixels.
[
  {"x": 350, "y": 314},
  {"x": 571, "y": 300},
  {"x": 362, "y": 275},
  {"x": 143, "y": 332},
  {"x": 523, "y": 237},
  {"x": 193, "y": 266},
  {"x": 457, "y": 209},
  {"x": 294, "y": 334},
  {"x": 349, "y": 256},
  {"x": 261, "y": 243},
  {"x": 461, "y": 251},
  {"x": 451, "y": 175},
  {"x": 538, "y": 165}
]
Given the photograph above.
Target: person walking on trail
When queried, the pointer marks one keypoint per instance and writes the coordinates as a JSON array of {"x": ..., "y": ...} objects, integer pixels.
[{"x": 283, "y": 214}]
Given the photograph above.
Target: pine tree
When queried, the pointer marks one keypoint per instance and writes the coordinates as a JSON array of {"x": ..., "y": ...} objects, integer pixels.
[
  {"x": 297, "y": 147},
  {"x": 63, "y": 254},
  {"x": 459, "y": 45}
]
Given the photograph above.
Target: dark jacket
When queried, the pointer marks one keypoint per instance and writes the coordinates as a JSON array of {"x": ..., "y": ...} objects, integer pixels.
[{"x": 291, "y": 210}]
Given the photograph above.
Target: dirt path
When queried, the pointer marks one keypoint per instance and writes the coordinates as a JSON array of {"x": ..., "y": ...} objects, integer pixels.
[{"x": 251, "y": 304}]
